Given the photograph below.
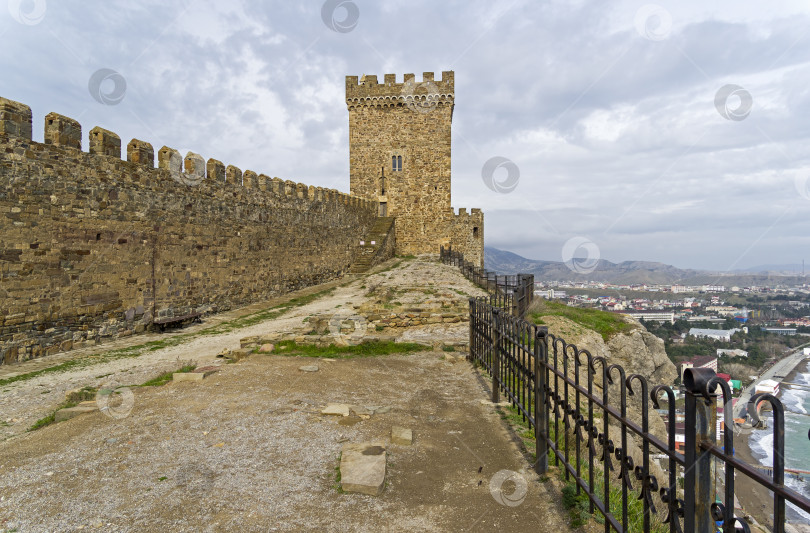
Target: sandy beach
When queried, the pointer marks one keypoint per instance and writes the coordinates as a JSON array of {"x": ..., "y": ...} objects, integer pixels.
[{"x": 754, "y": 498}]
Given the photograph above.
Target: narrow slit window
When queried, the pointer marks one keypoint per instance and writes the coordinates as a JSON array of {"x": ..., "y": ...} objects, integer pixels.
[
  {"x": 393, "y": 163},
  {"x": 399, "y": 163}
]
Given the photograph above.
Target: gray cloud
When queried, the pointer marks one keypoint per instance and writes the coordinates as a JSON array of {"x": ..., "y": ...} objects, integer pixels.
[{"x": 616, "y": 136}]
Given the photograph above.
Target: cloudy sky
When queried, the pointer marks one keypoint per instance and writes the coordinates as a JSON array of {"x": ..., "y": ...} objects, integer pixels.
[{"x": 673, "y": 132}]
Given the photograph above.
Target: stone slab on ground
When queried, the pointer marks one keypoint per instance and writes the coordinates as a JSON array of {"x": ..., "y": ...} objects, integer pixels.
[
  {"x": 308, "y": 368},
  {"x": 206, "y": 370},
  {"x": 338, "y": 409},
  {"x": 401, "y": 436},
  {"x": 187, "y": 376},
  {"x": 70, "y": 412},
  {"x": 362, "y": 467},
  {"x": 241, "y": 353}
]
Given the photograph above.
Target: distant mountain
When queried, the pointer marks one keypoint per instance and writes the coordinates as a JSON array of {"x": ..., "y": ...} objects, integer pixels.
[
  {"x": 788, "y": 270},
  {"x": 628, "y": 272}
]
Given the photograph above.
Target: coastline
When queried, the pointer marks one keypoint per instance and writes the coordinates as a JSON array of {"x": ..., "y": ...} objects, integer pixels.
[{"x": 753, "y": 498}]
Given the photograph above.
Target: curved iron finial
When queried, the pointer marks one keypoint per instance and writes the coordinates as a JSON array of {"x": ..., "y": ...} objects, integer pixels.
[
  {"x": 778, "y": 445},
  {"x": 655, "y": 393},
  {"x": 588, "y": 356},
  {"x": 719, "y": 512},
  {"x": 644, "y": 386},
  {"x": 610, "y": 369},
  {"x": 598, "y": 359}
]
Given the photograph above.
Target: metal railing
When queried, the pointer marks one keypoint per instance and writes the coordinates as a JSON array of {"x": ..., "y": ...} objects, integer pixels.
[
  {"x": 579, "y": 408},
  {"x": 512, "y": 292}
]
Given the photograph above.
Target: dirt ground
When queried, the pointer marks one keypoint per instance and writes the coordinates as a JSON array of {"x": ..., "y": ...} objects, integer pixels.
[{"x": 248, "y": 450}]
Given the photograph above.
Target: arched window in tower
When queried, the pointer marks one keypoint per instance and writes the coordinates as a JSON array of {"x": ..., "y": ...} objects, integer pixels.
[
  {"x": 396, "y": 163},
  {"x": 399, "y": 162}
]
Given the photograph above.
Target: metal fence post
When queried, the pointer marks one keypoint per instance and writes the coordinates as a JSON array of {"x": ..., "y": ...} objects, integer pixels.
[
  {"x": 700, "y": 422},
  {"x": 540, "y": 415},
  {"x": 496, "y": 355},
  {"x": 473, "y": 320}
]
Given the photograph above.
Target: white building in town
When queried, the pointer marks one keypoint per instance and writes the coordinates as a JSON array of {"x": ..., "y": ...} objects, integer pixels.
[{"x": 716, "y": 334}]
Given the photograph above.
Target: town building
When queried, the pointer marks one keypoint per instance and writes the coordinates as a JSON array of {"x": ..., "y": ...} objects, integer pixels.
[
  {"x": 731, "y": 353},
  {"x": 716, "y": 334}
]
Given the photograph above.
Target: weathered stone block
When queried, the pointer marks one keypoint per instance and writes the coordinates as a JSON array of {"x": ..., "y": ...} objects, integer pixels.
[
  {"x": 401, "y": 436},
  {"x": 170, "y": 159},
  {"x": 216, "y": 171},
  {"x": 141, "y": 153},
  {"x": 337, "y": 409},
  {"x": 71, "y": 412},
  {"x": 250, "y": 180},
  {"x": 62, "y": 131},
  {"x": 15, "y": 119},
  {"x": 105, "y": 142},
  {"x": 194, "y": 166},
  {"x": 187, "y": 376},
  {"x": 362, "y": 468},
  {"x": 233, "y": 175}
]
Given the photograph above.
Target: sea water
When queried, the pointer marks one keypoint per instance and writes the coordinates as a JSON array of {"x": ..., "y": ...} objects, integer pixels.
[{"x": 797, "y": 446}]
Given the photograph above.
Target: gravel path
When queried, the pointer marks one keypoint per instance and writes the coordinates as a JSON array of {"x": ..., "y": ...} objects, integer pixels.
[
  {"x": 23, "y": 403},
  {"x": 248, "y": 450}
]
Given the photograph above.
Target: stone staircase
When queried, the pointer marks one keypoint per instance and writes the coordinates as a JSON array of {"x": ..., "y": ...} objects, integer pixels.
[{"x": 382, "y": 230}]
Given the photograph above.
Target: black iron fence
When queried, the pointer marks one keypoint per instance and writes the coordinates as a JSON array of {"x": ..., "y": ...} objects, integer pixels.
[
  {"x": 511, "y": 292},
  {"x": 593, "y": 421}
]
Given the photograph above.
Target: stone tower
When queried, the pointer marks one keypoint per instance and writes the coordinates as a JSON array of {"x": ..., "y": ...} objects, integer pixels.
[{"x": 399, "y": 138}]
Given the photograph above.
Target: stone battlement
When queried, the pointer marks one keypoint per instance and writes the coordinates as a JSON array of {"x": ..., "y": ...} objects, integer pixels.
[
  {"x": 93, "y": 248},
  {"x": 62, "y": 132},
  {"x": 474, "y": 214},
  {"x": 368, "y": 92}
]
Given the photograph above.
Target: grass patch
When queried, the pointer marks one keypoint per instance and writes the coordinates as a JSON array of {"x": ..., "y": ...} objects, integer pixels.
[
  {"x": 167, "y": 377},
  {"x": 447, "y": 348},
  {"x": 605, "y": 323},
  {"x": 45, "y": 421},
  {"x": 365, "y": 349},
  {"x": 577, "y": 505}
]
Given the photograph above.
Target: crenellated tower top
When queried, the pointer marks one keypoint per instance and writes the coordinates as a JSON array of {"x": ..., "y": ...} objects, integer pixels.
[{"x": 368, "y": 92}]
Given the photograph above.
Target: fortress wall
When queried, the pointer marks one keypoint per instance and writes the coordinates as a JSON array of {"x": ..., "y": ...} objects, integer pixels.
[
  {"x": 93, "y": 247},
  {"x": 467, "y": 234}
]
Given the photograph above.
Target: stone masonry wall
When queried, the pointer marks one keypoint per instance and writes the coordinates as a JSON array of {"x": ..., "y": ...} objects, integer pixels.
[
  {"x": 467, "y": 234},
  {"x": 93, "y": 247},
  {"x": 411, "y": 120}
]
